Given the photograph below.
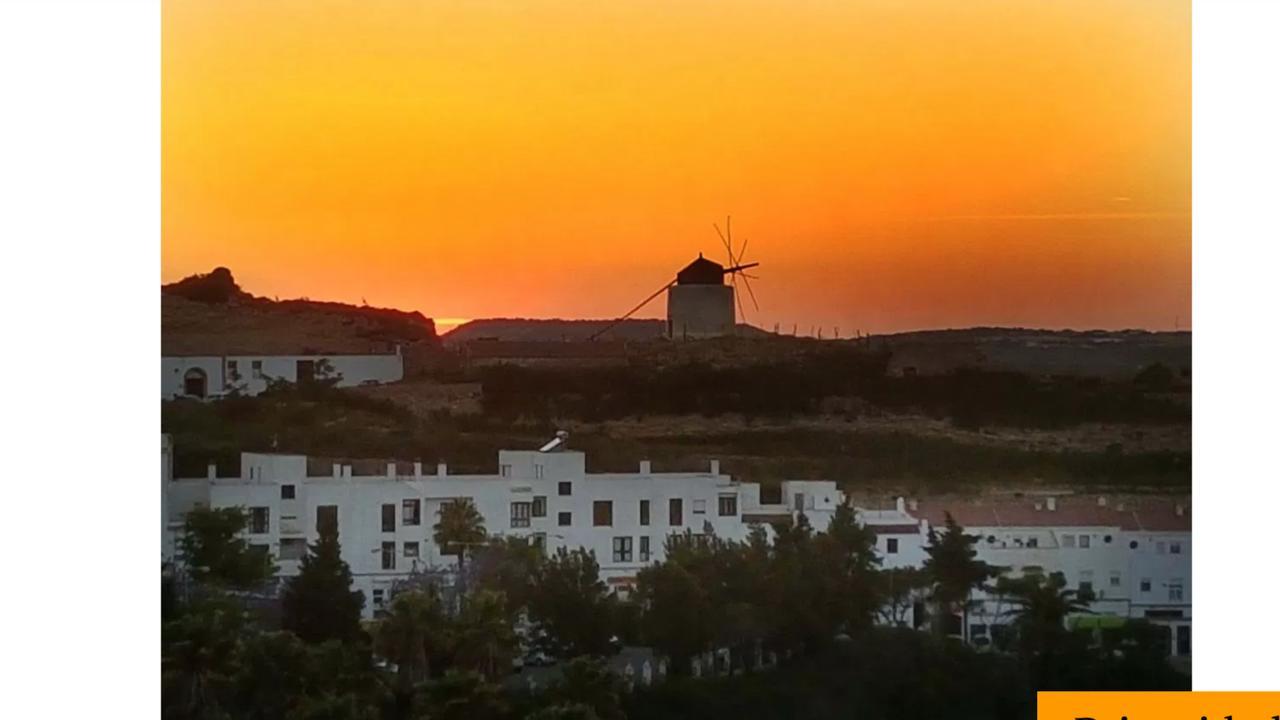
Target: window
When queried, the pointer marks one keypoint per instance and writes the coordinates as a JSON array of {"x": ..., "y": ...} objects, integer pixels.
[
  {"x": 602, "y": 513},
  {"x": 675, "y": 511},
  {"x": 1115, "y": 579},
  {"x": 1106, "y": 539},
  {"x": 411, "y": 549},
  {"x": 1145, "y": 585},
  {"x": 540, "y": 506},
  {"x": 379, "y": 596},
  {"x": 259, "y": 520},
  {"x": 1084, "y": 541},
  {"x": 388, "y": 518},
  {"x": 504, "y": 470},
  {"x": 771, "y": 495},
  {"x": 1175, "y": 548},
  {"x": 293, "y": 549},
  {"x": 1133, "y": 544},
  {"x": 539, "y": 540},
  {"x": 566, "y": 488},
  {"x": 388, "y": 556},
  {"x": 1175, "y": 590},
  {"x": 520, "y": 513},
  {"x": 326, "y": 517},
  {"x": 644, "y": 548},
  {"x": 565, "y": 519},
  {"x": 306, "y": 370},
  {"x": 1033, "y": 542},
  {"x": 699, "y": 507},
  {"x": 537, "y": 472},
  {"x": 1086, "y": 581},
  {"x": 288, "y": 492},
  {"x": 622, "y": 549},
  {"x": 644, "y": 512},
  {"x": 194, "y": 382},
  {"x": 233, "y": 367},
  {"x": 411, "y": 512},
  {"x": 1068, "y": 541},
  {"x": 799, "y": 500},
  {"x": 891, "y": 546},
  {"x": 728, "y": 505},
  {"x": 256, "y": 365}
]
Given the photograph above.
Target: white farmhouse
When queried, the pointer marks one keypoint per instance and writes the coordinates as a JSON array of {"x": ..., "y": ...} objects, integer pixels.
[
  {"x": 1134, "y": 554},
  {"x": 212, "y": 376}
]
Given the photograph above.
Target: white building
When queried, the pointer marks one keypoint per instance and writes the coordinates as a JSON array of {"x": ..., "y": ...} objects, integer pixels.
[
  {"x": 1135, "y": 555},
  {"x": 213, "y": 376}
]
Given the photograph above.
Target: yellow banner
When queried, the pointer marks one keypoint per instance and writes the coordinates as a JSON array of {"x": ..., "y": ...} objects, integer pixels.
[{"x": 1158, "y": 706}]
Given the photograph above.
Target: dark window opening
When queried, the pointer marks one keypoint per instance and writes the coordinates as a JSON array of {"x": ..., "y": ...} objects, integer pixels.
[
  {"x": 566, "y": 488},
  {"x": 388, "y": 518},
  {"x": 388, "y": 556},
  {"x": 675, "y": 511},
  {"x": 288, "y": 492},
  {"x": 565, "y": 519},
  {"x": 540, "y": 506},
  {"x": 411, "y": 512},
  {"x": 326, "y": 517},
  {"x": 195, "y": 383},
  {"x": 891, "y": 546},
  {"x": 644, "y": 512},
  {"x": 520, "y": 513},
  {"x": 602, "y": 513},
  {"x": 306, "y": 371},
  {"x": 728, "y": 505},
  {"x": 259, "y": 520}
]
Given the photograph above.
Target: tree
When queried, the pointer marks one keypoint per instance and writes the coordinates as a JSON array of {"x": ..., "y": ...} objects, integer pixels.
[
  {"x": 954, "y": 572},
  {"x": 199, "y": 658},
  {"x": 677, "y": 619},
  {"x": 318, "y": 602},
  {"x": 484, "y": 638},
  {"x": 570, "y": 607},
  {"x": 271, "y": 675},
  {"x": 459, "y": 526},
  {"x": 588, "y": 683},
  {"x": 216, "y": 554},
  {"x": 850, "y": 549},
  {"x": 510, "y": 566},
  {"x": 410, "y": 633},
  {"x": 1041, "y": 607},
  {"x": 462, "y": 696},
  {"x": 900, "y": 587}
]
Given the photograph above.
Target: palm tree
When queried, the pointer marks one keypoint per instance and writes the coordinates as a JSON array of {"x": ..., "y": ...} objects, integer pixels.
[
  {"x": 1041, "y": 607},
  {"x": 459, "y": 527}
]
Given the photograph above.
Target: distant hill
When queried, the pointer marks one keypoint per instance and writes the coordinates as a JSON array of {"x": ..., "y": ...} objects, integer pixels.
[
  {"x": 210, "y": 314},
  {"x": 540, "y": 330},
  {"x": 1101, "y": 353}
]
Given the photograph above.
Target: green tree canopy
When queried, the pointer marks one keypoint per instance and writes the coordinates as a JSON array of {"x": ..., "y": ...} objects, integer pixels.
[
  {"x": 318, "y": 603},
  {"x": 215, "y": 553}
]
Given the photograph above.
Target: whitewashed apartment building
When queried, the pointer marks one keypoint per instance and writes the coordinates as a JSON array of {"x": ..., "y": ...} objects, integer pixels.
[
  {"x": 1135, "y": 555},
  {"x": 205, "y": 377}
]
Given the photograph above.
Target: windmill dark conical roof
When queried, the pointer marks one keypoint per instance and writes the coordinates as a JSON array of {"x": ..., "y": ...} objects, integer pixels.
[{"x": 701, "y": 272}]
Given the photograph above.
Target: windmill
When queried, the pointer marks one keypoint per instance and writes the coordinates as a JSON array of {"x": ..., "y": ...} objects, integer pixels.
[
  {"x": 736, "y": 267},
  {"x": 699, "y": 303}
]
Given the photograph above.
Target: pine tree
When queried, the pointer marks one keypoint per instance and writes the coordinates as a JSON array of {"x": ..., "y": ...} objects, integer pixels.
[
  {"x": 954, "y": 572},
  {"x": 319, "y": 603}
]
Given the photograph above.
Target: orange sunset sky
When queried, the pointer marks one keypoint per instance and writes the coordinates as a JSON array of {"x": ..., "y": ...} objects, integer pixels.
[{"x": 894, "y": 165}]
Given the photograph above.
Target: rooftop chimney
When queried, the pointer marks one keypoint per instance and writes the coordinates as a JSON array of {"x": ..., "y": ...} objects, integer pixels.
[
  {"x": 902, "y": 505},
  {"x": 391, "y": 470},
  {"x": 1051, "y": 504},
  {"x": 913, "y": 504},
  {"x": 646, "y": 467},
  {"x": 1102, "y": 501},
  {"x": 715, "y": 467},
  {"x": 442, "y": 470},
  {"x": 337, "y": 471},
  {"x": 213, "y": 471},
  {"x": 348, "y": 472},
  {"x": 1179, "y": 510},
  {"x": 417, "y": 470}
]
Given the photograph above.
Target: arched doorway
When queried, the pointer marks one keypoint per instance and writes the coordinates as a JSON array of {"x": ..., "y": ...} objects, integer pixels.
[{"x": 195, "y": 383}]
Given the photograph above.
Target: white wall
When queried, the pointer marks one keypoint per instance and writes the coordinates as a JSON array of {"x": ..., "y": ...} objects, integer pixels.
[
  {"x": 223, "y": 370},
  {"x": 525, "y": 475}
]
